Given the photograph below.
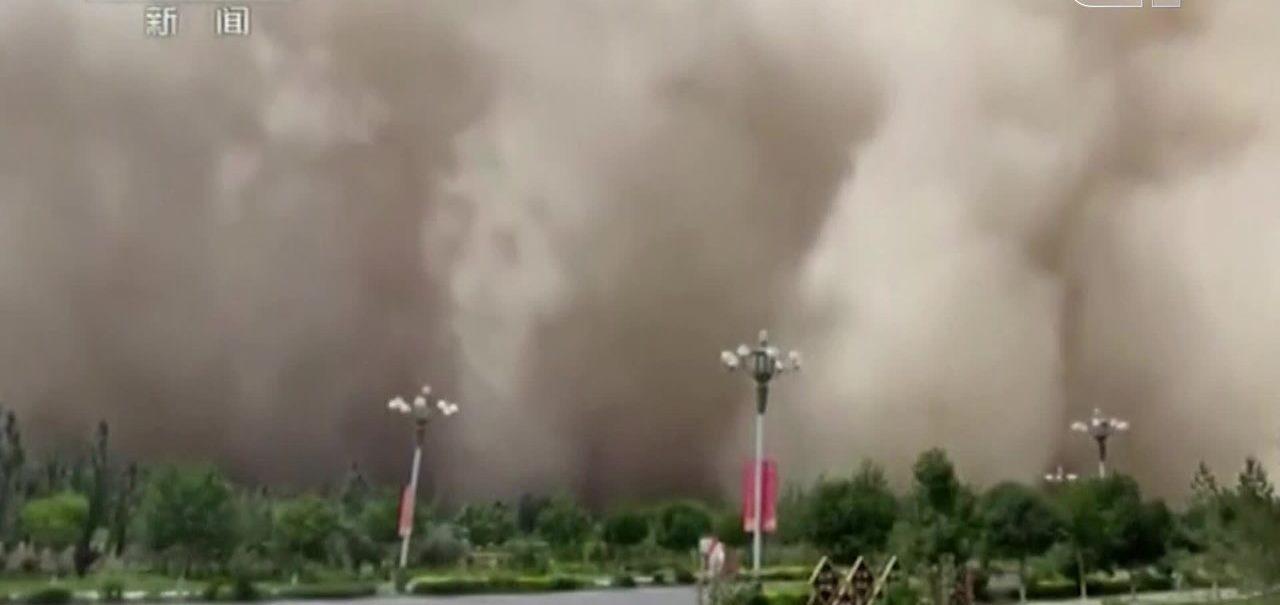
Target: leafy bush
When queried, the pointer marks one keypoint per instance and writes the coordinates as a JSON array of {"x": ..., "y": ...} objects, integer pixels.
[
  {"x": 683, "y": 576},
  {"x": 335, "y": 590},
  {"x": 243, "y": 589},
  {"x": 901, "y": 593},
  {"x": 442, "y": 546},
  {"x": 211, "y": 590},
  {"x": 679, "y": 525},
  {"x": 785, "y": 574},
  {"x": 50, "y": 595},
  {"x": 626, "y": 528},
  {"x": 529, "y": 556},
  {"x": 493, "y": 584},
  {"x": 739, "y": 593},
  {"x": 112, "y": 591}
]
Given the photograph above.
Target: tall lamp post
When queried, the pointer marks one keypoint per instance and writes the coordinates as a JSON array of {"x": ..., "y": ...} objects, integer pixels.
[
  {"x": 1100, "y": 428},
  {"x": 762, "y": 363},
  {"x": 424, "y": 407}
]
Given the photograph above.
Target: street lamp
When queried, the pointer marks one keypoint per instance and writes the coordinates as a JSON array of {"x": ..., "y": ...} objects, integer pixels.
[
  {"x": 1060, "y": 476},
  {"x": 1100, "y": 428},
  {"x": 761, "y": 362},
  {"x": 423, "y": 408}
]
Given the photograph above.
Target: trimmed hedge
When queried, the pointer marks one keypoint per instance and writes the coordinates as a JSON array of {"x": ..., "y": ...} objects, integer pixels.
[
  {"x": 321, "y": 592},
  {"x": 782, "y": 574},
  {"x": 49, "y": 595},
  {"x": 112, "y": 591},
  {"x": 1063, "y": 588},
  {"x": 493, "y": 584}
]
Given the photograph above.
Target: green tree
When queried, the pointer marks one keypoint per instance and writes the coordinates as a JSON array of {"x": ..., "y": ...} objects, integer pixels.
[
  {"x": 679, "y": 525},
  {"x": 563, "y": 524},
  {"x": 793, "y": 515},
  {"x": 1017, "y": 522},
  {"x": 487, "y": 525},
  {"x": 124, "y": 504},
  {"x": 55, "y": 521},
  {"x": 12, "y": 460},
  {"x": 852, "y": 517},
  {"x": 625, "y": 528},
  {"x": 303, "y": 527},
  {"x": 380, "y": 518},
  {"x": 98, "y": 499},
  {"x": 1255, "y": 514},
  {"x": 190, "y": 511},
  {"x": 729, "y": 528},
  {"x": 938, "y": 525},
  {"x": 527, "y": 511},
  {"x": 1205, "y": 527},
  {"x": 1100, "y": 516}
]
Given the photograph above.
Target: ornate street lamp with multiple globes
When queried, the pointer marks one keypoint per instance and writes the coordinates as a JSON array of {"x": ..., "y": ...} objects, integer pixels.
[
  {"x": 421, "y": 411},
  {"x": 1060, "y": 476},
  {"x": 762, "y": 363},
  {"x": 1100, "y": 428}
]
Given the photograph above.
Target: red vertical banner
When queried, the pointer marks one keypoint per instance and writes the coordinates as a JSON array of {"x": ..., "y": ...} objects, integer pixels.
[
  {"x": 770, "y": 497},
  {"x": 406, "y": 512}
]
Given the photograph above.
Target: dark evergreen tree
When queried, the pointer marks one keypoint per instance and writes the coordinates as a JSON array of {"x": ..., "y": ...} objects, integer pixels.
[
  {"x": 12, "y": 458},
  {"x": 124, "y": 503},
  {"x": 98, "y": 494}
]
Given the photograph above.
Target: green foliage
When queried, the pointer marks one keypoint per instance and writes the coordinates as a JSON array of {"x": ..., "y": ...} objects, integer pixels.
[
  {"x": 683, "y": 576},
  {"x": 1102, "y": 516},
  {"x": 527, "y": 511},
  {"x": 304, "y": 525},
  {"x": 529, "y": 556},
  {"x": 1017, "y": 521},
  {"x": 55, "y": 521},
  {"x": 625, "y": 528},
  {"x": 487, "y": 525},
  {"x": 50, "y": 595},
  {"x": 111, "y": 591},
  {"x": 190, "y": 510},
  {"x": 441, "y": 546},
  {"x": 563, "y": 524},
  {"x": 495, "y": 584},
  {"x": 939, "y": 521},
  {"x": 737, "y": 593},
  {"x": 729, "y": 529},
  {"x": 243, "y": 589},
  {"x": 679, "y": 525},
  {"x": 340, "y": 591},
  {"x": 380, "y": 518},
  {"x": 852, "y": 517}
]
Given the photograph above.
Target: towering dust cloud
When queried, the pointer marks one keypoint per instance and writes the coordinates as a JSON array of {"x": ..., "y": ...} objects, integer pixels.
[{"x": 978, "y": 220}]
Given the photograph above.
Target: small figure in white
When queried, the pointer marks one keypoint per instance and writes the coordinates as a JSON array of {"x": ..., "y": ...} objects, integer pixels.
[
  {"x": 712, "y": 554},
  {"x": 233, "y": 21},
  {"x": 160, "y": 21}
]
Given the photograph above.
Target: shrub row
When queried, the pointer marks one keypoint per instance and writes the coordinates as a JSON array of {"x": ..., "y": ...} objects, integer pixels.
[
  {"x": 334, "y": 590},
  {"x": 493, "y": 584},
  {"x": 1065, "y": 588},
  {"x": 49, "y": 595}
]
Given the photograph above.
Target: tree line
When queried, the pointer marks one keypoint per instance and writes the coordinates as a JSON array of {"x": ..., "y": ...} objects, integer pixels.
[{"x": 76, "y": 514}]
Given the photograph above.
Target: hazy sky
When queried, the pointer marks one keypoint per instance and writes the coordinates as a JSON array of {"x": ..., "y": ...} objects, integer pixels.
[{"x": 978, "y": 220}]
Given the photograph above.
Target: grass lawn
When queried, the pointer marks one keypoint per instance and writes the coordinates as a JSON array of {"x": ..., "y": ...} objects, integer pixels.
[{"x": 149, "y": 583}]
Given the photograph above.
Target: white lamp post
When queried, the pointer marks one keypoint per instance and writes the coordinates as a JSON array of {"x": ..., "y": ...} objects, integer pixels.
[
  {"x": 1100, "y": 428},
  {"x": 421, "y": 411},
  {"x": 762, "y": 362}
]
